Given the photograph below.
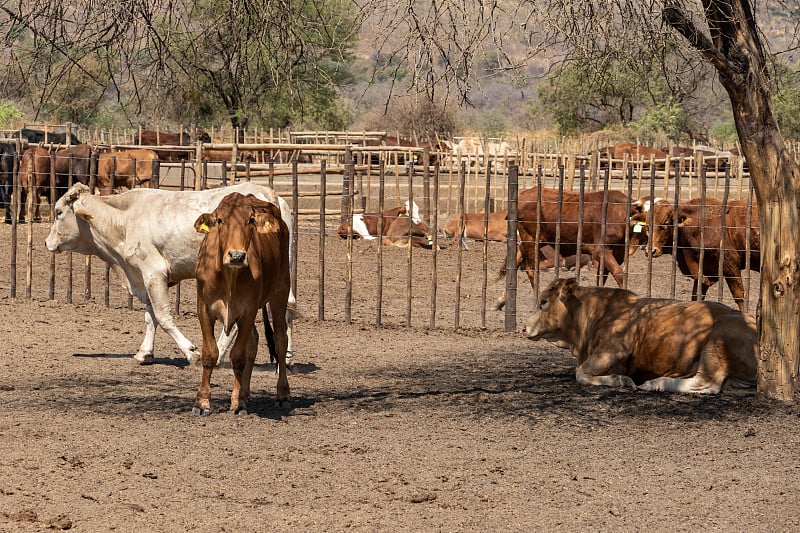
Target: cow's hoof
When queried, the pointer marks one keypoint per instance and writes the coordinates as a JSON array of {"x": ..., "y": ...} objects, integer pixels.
[
  {"x": 200, "y": 411},
  {"x": 241, "y": 412},
  {"x": 144, "y": 359}
]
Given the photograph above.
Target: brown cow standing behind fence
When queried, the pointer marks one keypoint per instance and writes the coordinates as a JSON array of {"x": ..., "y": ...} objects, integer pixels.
[
  {"x": 742, "y": 237},
  {"x": 603, "y": 239},
  {"x": 121, "y": 165}
]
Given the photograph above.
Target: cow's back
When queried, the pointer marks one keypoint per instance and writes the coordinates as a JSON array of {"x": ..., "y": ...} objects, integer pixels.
[
  {"x": 162, "y": 222},
  {"x": 615, "y": 221}
]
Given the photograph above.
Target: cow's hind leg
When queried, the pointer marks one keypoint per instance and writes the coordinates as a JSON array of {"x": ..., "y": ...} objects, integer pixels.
[
  {"x": 269, "y": 335},
  {"x": 280, "y": 329},
  {"x": 697, "y": 384},
  {"x": 145, "y": 354},
  {"x": 712, "y": 369}
]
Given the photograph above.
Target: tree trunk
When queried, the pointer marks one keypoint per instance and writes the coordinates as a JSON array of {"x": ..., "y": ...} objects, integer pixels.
[{"x": 736, "y": 52}]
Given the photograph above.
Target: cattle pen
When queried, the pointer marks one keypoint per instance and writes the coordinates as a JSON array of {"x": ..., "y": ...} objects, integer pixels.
[{"x": 450, "y": 285}]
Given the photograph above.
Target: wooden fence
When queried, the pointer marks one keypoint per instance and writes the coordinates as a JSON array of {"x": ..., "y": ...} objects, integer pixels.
[{"x": 354, "y": 281}]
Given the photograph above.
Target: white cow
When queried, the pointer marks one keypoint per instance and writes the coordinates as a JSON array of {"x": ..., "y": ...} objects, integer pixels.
[{"x": 148, "y": 238}]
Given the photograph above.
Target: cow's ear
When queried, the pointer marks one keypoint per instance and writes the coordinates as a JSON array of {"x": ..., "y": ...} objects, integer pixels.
[
  {"x": 204, "y": 223},
  {"x": 83, "y": 215},
  {"x": 683, "y": 220},
  {"x": 568, "y": 287},
  {"x": 266, "y": 223}
]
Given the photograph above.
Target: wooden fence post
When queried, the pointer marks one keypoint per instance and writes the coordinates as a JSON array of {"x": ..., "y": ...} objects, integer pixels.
[{"x": 510, "y": 322}]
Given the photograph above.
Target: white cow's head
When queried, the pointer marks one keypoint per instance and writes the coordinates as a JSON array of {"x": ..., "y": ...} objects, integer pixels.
[{"x": 70, "y": 227}]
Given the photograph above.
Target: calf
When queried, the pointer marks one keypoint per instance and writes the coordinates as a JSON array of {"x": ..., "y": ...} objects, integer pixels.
[
  {"x": 622, "y": 340},
  {"x": 739, "y": 229},
  {"x": 242, "y": 266}
]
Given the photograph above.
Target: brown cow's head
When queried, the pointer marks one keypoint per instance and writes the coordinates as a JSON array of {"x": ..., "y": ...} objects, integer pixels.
[
  {"x": 660, "y": 233},
  {"x": 551, "y": 320},
  {"x": 234, "y": 223}
]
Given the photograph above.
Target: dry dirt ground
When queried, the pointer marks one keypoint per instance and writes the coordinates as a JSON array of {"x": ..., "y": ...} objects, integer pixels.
[{"x": 390, "y": 428}]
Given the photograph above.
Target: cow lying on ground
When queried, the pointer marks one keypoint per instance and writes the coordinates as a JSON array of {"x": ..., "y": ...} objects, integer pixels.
[
  {"x": 622, "y": 340},
  {"x": 242, "y": 266},
  {"x": 608, "y": 246},
  {"x": 475, "y": 224},
  {"x": 398, "y": 227},
  {"x": 120, "y": 165},
  {"x": 148, "y": 238},
  {"x": 690, "y": 215}
]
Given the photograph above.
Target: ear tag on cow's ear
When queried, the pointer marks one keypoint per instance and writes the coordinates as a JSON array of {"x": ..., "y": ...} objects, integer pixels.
[
  {"x": 637, "y": 228},
  {"x": 205, "y": 228},
  {"x": 266, "y": 223}
]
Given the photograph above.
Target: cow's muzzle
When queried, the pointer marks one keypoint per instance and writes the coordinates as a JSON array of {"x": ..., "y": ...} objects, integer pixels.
[
  {"x": 655, "y": 252},
  {"x": 236, "y": 259}
]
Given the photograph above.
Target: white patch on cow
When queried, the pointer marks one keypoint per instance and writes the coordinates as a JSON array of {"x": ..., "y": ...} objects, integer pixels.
[
  {"x": 414, "y": 212},
  {"x": 361, "y": 228},
  {"x": 649, "y": 203}
]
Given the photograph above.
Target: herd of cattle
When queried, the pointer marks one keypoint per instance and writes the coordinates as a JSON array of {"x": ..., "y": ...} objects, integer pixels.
[
  {"x": 236, "y": 242},
  {"x": 71, "y": 162}
]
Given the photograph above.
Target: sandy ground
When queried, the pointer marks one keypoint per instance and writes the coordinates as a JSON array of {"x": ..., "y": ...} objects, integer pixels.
[{"x": 390, "y": 428}]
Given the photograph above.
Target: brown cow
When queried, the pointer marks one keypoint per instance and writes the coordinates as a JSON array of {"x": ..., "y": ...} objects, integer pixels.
[
  {"x": 398, "y": 228},
  {"x": 635, "y": 152},
  {"x": 622, "y": 340},
  {"x": 164, "y": 138},
  {"x": 34, "y": 174},
  {"x": 690, "y": 215},
  {"x": 242, "y": 266},
  {"x": 474, "y": 225},
  {"x": 611, "y": 250},
  {"x": 121, "y": 164}
]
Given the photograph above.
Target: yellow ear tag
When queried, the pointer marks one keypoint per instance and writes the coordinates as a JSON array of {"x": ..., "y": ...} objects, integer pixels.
[
  {"x": 266, "y": 223},
  {"x": 205, "y": 228}
]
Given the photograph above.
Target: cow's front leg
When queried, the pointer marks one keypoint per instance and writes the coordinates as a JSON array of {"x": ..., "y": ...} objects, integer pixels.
[
  {"x": 243, "y": 357},
  {"x": 598, "y": 370},
  {"x": 158, "y": 293},
  {"x": 202, "y": 405}
]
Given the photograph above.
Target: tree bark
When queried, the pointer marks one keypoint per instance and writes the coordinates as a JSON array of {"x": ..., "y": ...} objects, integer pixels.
[{"x": 736, "y": 52}]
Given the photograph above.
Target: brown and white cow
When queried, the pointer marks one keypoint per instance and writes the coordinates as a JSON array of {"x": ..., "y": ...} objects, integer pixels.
[
  {"x": 242, "y": 266},
  {"x": 739, "y": 226},
  {"x": 622, "y": 340},
  {"x": 120, "y": 164},
  {"x": 398, "y": 227},
  {"x": 608, "y": 244}
]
